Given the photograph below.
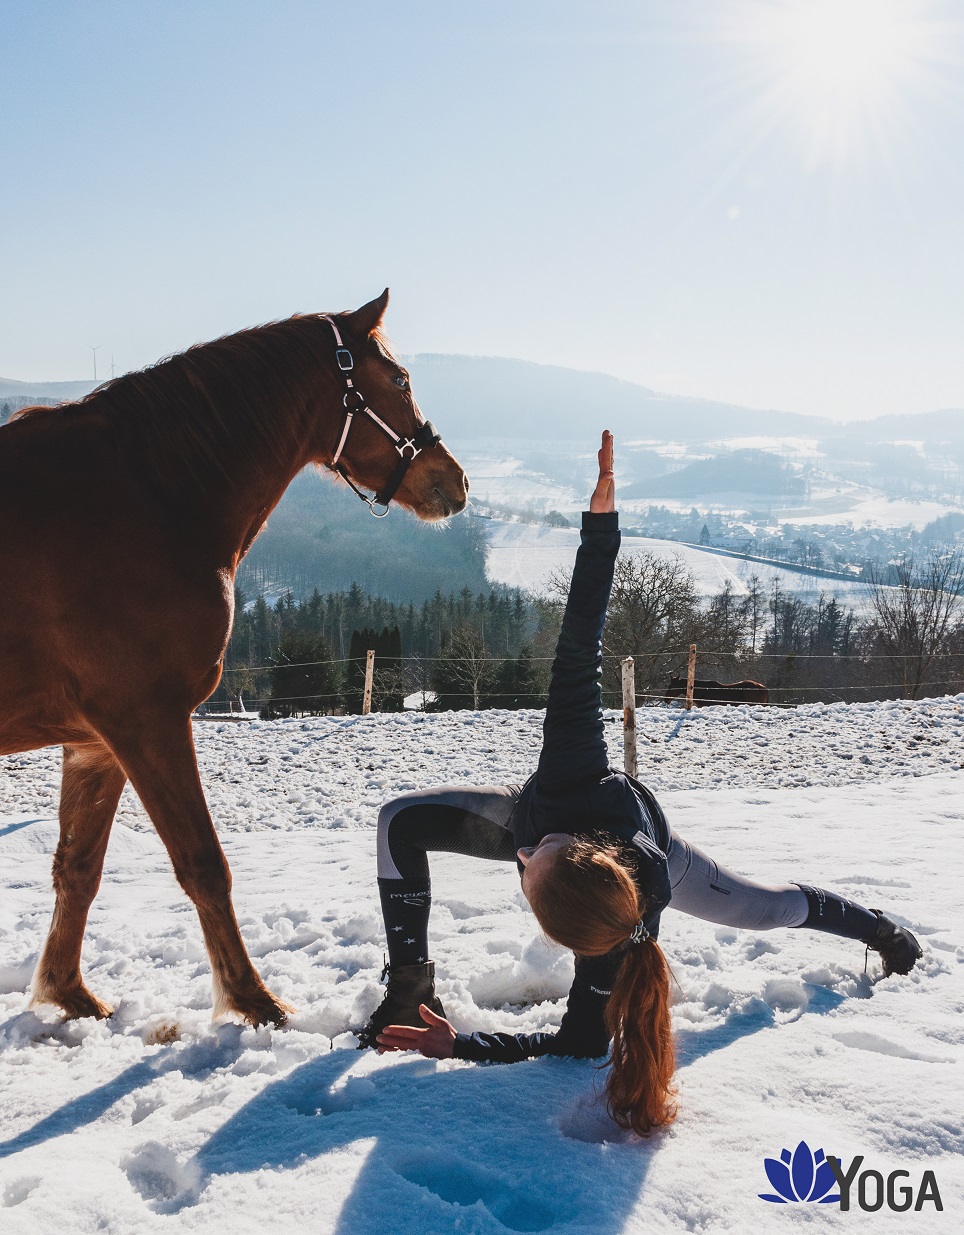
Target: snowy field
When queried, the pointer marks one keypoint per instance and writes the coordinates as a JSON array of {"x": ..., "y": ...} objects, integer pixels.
[
  {"x": 524, "y": 555},
  {"x": 159, "y": 1121}
]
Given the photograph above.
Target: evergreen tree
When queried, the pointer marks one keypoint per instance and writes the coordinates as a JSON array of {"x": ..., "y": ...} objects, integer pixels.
[{"x": 303, "y": 679}]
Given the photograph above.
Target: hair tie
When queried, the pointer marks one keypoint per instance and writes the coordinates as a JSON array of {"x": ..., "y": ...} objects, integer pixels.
[{"x": 640, "y": 933}]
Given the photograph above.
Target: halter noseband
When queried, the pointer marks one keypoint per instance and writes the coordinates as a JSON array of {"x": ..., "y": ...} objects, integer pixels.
[{"x": 424, "y": 435}]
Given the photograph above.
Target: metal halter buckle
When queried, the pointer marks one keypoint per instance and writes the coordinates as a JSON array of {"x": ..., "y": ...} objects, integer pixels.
[
  {"x": 345, "y": 359},
  {"x": 416, "y": 450}
]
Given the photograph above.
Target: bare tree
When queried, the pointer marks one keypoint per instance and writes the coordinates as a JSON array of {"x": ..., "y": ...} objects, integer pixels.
[
  {"x": 755, "y": 604},
  {"x": 915, "y": 618},
  {"x": 462, "y": 670},
  {"x": 654, "y": 610}
]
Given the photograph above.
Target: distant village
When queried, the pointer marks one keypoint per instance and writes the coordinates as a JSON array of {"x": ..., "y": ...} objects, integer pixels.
[{"x": 850, "y": 552}]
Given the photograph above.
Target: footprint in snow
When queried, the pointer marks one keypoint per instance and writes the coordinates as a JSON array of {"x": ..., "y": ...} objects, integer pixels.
[
  {"x": 17, "y": 1191},
  {"x": 459, "y": 1183},
  {"x": 156, "y": 1173},
  {"x": 862, "y": 1041},
  {"x": 357, "y": 1092}
]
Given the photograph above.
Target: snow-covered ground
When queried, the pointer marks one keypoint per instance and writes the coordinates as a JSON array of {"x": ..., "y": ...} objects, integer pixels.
[
  {"x": 524, "y": 555},
  {"x": 158, "y": 1121}
]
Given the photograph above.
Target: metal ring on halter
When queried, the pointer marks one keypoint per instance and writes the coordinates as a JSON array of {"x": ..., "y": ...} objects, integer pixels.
[
  {"x": 416, "y": 450},
  {"x": 358, "y": 395},
  {"x": 372, "y": 502}
]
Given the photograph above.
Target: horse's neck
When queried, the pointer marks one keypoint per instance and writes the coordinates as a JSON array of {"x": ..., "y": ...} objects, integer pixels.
[
  {"x": 254, "y": 481},
  {"x": 242, "y": 522}
]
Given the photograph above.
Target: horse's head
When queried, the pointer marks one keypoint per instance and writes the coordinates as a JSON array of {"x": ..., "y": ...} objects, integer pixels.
[{"x": 385, "y": 438}]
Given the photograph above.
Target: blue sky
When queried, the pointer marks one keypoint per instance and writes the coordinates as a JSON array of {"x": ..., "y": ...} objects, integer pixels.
[{"x": 706, "y": 196}]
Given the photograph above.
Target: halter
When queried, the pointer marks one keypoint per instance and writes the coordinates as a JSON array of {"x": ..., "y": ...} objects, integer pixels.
[{"x": 425, "y": 434}]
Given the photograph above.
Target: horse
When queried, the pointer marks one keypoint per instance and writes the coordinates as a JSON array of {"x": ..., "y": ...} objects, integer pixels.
[
  {"x": 707, "y": 691},
  {"x": 125, "y": 515}
]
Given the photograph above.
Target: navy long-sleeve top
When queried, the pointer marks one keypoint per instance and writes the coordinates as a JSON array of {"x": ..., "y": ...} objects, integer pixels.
[{"x": 575, "y": 790}]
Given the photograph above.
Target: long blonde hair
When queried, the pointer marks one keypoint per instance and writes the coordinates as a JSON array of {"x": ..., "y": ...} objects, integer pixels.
[{"x": 589, "y": 902}]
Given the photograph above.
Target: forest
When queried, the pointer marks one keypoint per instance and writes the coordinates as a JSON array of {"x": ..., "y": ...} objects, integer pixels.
[{"x": 493, "y": 648}]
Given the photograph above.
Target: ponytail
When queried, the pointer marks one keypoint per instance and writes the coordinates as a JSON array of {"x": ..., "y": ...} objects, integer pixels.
[
  {"x": 639, "y": 1089},
  {"x": 590, "y": 903}
]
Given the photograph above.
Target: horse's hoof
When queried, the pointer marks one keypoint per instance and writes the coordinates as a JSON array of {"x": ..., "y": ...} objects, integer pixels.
[
  {"x": 79, "y": 1004},
  {"x": 265, "y": 1009}
]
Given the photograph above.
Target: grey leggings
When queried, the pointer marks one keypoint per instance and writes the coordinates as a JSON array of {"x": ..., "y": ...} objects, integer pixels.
[{"x": 701, "y": 887}]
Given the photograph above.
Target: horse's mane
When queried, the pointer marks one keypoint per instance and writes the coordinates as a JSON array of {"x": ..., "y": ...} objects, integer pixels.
[{"x": 202, "y": 409}]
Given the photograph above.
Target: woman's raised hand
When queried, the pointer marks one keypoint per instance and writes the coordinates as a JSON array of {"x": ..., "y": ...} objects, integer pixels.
[
  {"x": 437, "y": 1041},
  {"x": 604, "y": 494}
]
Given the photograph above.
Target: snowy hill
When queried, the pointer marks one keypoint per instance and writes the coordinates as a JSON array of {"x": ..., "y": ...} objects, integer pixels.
[
  {"x": 9, "y": 388},
  {"x": 524, "y": 555},
  {"x": 158, "y": 1121}
]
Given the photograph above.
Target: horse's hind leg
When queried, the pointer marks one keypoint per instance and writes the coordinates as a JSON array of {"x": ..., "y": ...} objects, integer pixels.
[
  {"x": 90, "y": 789},
  {"x": 158, "y": 756}
]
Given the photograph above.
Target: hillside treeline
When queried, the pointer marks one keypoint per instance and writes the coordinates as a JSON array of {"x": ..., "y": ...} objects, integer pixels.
[
  {"x": 494, "y": 648},
  {"x": 471, "y": 649},
  {"x": 910, "y": 644}
]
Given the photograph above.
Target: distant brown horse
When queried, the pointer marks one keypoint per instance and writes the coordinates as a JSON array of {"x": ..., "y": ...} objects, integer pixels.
[
  {"x": 706, "y": 691},
  {"x": 124, "y": 517}
]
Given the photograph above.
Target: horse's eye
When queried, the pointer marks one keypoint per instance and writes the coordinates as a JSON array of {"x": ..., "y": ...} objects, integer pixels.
[{"x": 402, "y": 383}]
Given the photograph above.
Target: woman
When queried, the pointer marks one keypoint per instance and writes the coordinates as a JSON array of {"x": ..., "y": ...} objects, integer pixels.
[{"x": 599, "y": 864}]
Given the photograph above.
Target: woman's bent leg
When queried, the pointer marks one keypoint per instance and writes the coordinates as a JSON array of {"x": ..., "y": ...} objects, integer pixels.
[{"x": 452, "y": 819}]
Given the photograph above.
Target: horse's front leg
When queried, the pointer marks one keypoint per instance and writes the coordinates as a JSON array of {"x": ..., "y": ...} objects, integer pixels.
[
  {"x": 90, "y": 789},
  {"x": 157, "y": 752}
]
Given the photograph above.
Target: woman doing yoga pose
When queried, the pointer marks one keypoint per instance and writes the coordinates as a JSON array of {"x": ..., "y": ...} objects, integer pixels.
[{"x": 599, "y": 864}]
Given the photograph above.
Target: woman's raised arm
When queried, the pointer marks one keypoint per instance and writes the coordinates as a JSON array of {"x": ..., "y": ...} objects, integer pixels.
[{"x": 574, "y": 744}]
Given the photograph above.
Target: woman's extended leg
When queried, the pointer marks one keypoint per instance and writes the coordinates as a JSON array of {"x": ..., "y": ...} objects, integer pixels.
[
  {"x": 704, "y": 889},
  {"x": 452, "y": 819}
]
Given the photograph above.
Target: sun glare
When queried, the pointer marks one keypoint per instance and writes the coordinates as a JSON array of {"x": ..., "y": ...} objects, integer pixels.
[
  {"x": 844, "y": 45},
  {"x": 842, "y": 68}
]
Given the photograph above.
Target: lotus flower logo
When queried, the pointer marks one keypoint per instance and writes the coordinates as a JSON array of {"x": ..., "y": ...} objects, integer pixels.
[{"x": 800, "y": 1176}]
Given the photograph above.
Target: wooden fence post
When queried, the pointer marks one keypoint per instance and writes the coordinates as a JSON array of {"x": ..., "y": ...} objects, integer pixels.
[
  {"x": 366, "y": 706},
  {"x": 629, "y": 716},
  {"x": 690, "y": 676}
]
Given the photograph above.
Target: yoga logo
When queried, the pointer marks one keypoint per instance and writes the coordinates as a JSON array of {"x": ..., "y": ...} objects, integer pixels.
[
  {"x": 807, "y": 1176},
  {"x": 800, "y": 1176}
]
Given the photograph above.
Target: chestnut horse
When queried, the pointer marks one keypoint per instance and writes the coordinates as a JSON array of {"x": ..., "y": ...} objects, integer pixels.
[
  {"x": 707, "y": 691},
  {"x": 124, "y": 518}
]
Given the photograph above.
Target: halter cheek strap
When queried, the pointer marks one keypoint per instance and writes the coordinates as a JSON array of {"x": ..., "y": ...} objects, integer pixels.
[{"x": 408, "y": 447}]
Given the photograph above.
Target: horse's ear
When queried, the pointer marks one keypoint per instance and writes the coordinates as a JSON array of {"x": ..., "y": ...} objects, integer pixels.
[{"x": 368, "y": 318}]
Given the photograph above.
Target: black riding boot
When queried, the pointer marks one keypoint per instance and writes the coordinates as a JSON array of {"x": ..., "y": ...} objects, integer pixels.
[
  {"x": 408, "y": 986},
  {"x": 898, "y": 948}
]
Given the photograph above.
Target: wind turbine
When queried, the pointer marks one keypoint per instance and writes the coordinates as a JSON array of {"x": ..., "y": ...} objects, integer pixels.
[{"x": 95, "y": 351}]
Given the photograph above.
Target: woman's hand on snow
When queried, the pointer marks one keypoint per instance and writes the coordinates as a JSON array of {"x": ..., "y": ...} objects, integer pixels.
[
  {"x": 604, "y": 495},
  {"x": 437, "y": 1041}
]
